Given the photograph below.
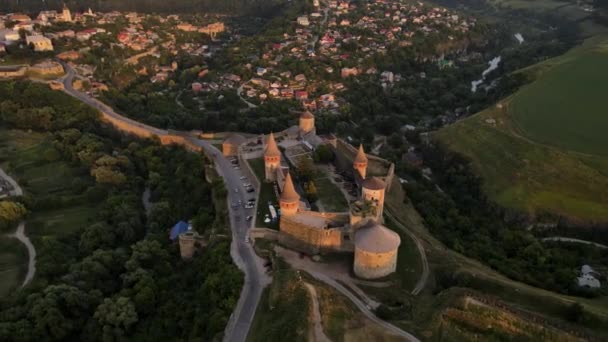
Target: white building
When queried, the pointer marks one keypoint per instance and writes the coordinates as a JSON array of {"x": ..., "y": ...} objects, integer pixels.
[
  {"x": 9, "y": 35},
  {"x": 588, "y": 278},
  {"x": 303, "y": 20},
  {"x": 41, "y": 43}
]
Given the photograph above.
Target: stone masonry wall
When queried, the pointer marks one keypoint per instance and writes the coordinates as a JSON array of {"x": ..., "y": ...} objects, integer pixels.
[{"x": 374, "y": 265}]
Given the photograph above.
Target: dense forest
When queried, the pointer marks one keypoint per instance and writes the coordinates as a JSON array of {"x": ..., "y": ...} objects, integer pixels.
[
  {"x": 118, "y": 277},
  {"x": 257, "y": 7},
  {"x": 466, "y": 221}
]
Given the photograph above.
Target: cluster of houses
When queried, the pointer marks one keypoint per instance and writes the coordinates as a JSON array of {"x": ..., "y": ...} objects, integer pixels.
[{"x": 350, "y": 34}]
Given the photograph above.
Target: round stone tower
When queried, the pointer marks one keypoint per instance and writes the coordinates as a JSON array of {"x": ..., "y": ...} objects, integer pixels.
[
  {"x": 360, "y": 162},
  {"x": 187, "y": 244},
  {"x": 376, "y": 250},
  {"x": 290, "y": 200},
  {"x": 373, "y": 190},
  {"x": 307, "y": 122},
  {"x": 272, "y": 159}
]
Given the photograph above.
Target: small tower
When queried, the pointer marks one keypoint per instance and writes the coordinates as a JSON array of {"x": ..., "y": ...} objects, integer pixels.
[
  {"x": 66, "y": 14},
  {"x": 360, "y": 162},
  {"x": 373, "y": 190},
  {"x": 187, "y": 244},
  {"x": 290, "y": 200},
  {"x": 307, "y": 122},
  {"x": 272, "y": 159}
]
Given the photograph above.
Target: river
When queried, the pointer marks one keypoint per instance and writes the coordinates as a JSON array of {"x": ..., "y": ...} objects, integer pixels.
[{"x": 493, "y": 64}]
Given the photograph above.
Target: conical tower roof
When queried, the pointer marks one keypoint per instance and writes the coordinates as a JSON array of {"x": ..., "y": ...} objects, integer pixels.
[
  {"x": 361, "y": 157},
  {"x": 272, "y": 150},
  {"x": 374, "y": 183},
  {"x": 376, "y": 238},
  {"x": 289, "y": 193},
  {"x": 307, "y": 115}
]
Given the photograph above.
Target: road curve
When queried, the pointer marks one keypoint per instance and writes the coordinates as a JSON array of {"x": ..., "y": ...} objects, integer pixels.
[
  {"x": 362, "y": 306},
  {"x": 19, "y": 234},
  {"x": 31, "y": 251},
  {"x": 567, "y": 239},
  {"x": 425, "y": 264},
  {"x": 242, "y": 252}
]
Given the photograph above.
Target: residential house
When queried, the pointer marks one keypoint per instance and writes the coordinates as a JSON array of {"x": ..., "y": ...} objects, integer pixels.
[{"x": 40, "y": 43}]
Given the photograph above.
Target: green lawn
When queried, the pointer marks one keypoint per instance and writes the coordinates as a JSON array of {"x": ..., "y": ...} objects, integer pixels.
[
  {"x": 330, "y": 195},
  {"x": 526, "y": 157},
  {"x": 13, "y": 264},
  {"x": 266, "y": 196},
  {"x": 60, "y": 221}
]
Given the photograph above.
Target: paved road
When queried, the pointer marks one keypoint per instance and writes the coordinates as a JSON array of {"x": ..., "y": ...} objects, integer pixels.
[
  {"x": 425, "y": 264},
  {"x": 333, "y": 278},
  {"x": 567, "y": 239},
  {"x": 241, "y": 251},
  {"x": 19, "y": 234},
  {"x": 239, "y": 93}
]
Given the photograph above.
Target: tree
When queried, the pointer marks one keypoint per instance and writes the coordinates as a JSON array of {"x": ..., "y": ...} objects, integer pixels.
[
  {"x": 575, "y": 312},
  {"x": 323, "y": 154},
  {"x": 116, "y": 316},
  {"x": 10, "y": 212}
]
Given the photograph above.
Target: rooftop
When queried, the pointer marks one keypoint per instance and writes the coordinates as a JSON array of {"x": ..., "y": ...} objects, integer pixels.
[{"x": 376, "y": 238}]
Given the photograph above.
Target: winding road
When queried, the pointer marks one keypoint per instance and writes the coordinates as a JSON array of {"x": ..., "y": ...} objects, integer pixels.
[
  {"x": 19, "y": 234},
  {"x": 242, "y": 252},
  {"x": 567, "y": 239}
]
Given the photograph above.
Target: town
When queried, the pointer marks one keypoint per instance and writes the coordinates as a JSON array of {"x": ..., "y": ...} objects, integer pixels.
[{"x": 326, "y": 170}]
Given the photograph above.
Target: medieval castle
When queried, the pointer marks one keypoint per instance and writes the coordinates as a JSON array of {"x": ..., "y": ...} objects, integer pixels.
[{"x": 359, "y": 230}]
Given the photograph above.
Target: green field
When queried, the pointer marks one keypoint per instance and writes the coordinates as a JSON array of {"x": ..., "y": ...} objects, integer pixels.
[
  {"x": 566, "y": 107},
  {"x": 35, "y": 165},
  {"x": 528, "y": 152}
]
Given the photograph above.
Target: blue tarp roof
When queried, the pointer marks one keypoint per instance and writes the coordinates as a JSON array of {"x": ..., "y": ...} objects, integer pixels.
[{"x": 180, "y": 227}]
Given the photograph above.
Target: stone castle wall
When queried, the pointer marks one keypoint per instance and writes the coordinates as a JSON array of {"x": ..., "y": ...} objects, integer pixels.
[
  {"x": 316, "y": 238},
  {"x": 374, "y": 265}
]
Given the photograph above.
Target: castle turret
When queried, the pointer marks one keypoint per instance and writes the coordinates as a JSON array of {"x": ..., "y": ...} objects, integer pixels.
[
  {"x": 272, "y": 159},
  {"x": 290, "y": 200},
  {"x": 360, "y": 162},
  {"x": 376, "y": 249},
  {"x": 187, "y": 244},
  {"x": 307, "y": 122},
  {"x": 373, "y": 190}
]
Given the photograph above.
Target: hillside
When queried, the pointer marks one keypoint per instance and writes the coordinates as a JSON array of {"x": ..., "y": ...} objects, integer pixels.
[
  {"x": 257, "y": 7},
  {"x": 542, "y": 150}
]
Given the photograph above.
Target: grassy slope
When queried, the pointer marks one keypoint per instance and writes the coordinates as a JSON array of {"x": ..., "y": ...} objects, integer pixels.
[
  {"x": 520, "y": 173},
  {"x": 566, "y": 107},
  {"x": 30, "y": 157}
]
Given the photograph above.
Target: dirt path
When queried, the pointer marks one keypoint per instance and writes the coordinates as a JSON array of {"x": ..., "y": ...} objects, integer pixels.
[
  {"x": 319, "y": 335},
  {"x": 19, "y": 234},
  {"x": 425, "y": 264},
  {"x": 331, "y": 277},
  {"x": 17, "y": 191},
  {"x": 567, "y": 239},
  {"x": 31, "y": 251}
]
